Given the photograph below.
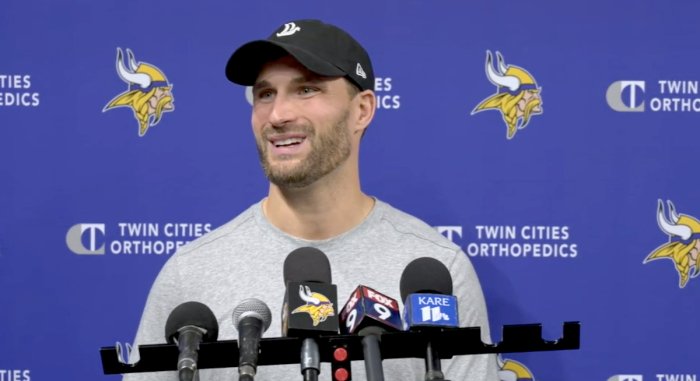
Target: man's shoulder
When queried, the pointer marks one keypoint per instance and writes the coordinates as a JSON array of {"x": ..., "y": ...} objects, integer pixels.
[
  {"x": 238, "y": 226},
  {"x": 415, "y": 230}
]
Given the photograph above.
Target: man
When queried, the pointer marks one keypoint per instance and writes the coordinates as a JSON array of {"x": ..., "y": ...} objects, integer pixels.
[{"x": 312, "y": 101}]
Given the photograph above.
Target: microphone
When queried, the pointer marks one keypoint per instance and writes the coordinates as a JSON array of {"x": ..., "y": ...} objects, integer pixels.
[
  {"x": 188, "y": 325},
  {"x": 370, "y": 314},
  {"x": 309, "y": 304},
  {"x": 426, "y": 288},
  {"x": 251, "y": 318}
]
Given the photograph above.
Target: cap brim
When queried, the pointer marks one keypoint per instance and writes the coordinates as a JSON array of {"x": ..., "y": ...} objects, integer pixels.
[{"x": 245, "y": 63}]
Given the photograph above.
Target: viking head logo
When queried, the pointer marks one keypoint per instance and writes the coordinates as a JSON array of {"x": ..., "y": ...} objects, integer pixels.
[
  {"x": 517, "y": 96},
  {"x": 684, "y": 242},
  {"x": 149, "y": 93},
  {"x": 317, "y": 305},
  {"x": 509, "y": 370}
]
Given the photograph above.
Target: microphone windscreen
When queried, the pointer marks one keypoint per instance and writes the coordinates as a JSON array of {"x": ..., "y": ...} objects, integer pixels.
[
  {"x": 425, "y": 276},
  {"x": 194, "y": 314},
  {"x": 307, "y": 264}
]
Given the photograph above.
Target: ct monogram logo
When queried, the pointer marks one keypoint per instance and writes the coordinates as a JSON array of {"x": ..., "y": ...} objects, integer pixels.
[
  {"x": 448, "y": 231},
  {"x": 615, "y": 99},
  {"x": 74, "y": 239}
]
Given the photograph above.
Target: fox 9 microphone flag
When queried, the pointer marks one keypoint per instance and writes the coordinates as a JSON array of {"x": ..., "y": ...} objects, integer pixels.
[
  {"x": 572, "y": 190},
  {"x": 366, "y": 307}
]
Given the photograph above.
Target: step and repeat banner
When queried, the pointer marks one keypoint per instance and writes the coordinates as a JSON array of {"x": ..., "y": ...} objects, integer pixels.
[{"x": 554, "y": 142}]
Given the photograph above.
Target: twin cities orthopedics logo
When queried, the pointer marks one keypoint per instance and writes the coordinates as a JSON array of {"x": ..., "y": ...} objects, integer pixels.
[
  {"x": 16, "y": 90},
  {"x": 14, "y": 375},
  {"x": 514, "y": 241},
  {"x": 387, "y": 98},
  {"x": 656, "y": 377},
  {"x": 656, "y": 96},
  {"x": 132, "y": 238}
]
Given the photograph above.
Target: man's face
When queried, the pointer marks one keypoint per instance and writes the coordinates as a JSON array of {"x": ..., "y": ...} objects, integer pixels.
[{"x": 300, "y": 123}]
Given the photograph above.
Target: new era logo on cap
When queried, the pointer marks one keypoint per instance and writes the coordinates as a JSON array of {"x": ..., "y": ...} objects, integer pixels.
[{"x": 360, "y": 72}]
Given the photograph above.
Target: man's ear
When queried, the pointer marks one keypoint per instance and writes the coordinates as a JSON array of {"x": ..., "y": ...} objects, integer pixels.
[{"x": 366, "y": 104}]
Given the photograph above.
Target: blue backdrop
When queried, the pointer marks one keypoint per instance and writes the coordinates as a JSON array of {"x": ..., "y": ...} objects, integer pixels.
[{"x": 558, "y": 218}]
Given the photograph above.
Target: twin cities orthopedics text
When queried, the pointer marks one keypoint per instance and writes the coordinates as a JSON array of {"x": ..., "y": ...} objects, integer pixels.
[
  {"x": 523, "y": 241},
  {"x": 155, "y": 238}
]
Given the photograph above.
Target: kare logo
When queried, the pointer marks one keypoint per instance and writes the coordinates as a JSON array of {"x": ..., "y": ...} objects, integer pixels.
[
  {"x": 511, "y": 370},
  {"x": 148, "y": 95},
  {"x": 517, "y": 96},
  {"x": 317, "y": 305},
  {"x": 683, "y": 244}
]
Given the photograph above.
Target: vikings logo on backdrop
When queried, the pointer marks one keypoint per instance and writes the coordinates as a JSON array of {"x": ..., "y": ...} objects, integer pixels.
[
  {"x": 517, "y": 96},
  {"x": 148, "y": 95},
  {"x": 510, "y": 370},
  {"x": 683, "y": 245},
  {"x": 317, "y": 305}
]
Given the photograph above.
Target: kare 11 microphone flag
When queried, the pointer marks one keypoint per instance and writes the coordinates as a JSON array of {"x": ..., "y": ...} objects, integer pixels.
[{"x": 571, "y": 189}]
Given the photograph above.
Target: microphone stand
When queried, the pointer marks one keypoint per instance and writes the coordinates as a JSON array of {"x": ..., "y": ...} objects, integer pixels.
[
  {"x": 432, "y": 364},
  {"x": 397, "y": 345},
  {"x": 188, "y": 345},
  {"x": 248, "y": 343},
  {"x": 310, "y": 360},
  {"x": 373, "y": 358}
]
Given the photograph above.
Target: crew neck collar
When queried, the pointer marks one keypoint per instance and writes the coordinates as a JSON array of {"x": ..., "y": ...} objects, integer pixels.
[{"x": 327, "y": 244}]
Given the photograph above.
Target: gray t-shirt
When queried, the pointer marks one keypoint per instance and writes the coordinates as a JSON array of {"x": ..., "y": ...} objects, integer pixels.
[{"x": 244, "y": 258}]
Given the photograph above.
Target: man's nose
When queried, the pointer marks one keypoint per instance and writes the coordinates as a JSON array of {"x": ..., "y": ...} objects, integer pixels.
[{"x": 283, "y": 112}]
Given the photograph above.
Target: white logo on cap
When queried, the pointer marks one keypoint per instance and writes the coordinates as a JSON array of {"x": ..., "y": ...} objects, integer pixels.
[
  {"x": 360, "y": 72},
  {"x": 289, "y": 29}
]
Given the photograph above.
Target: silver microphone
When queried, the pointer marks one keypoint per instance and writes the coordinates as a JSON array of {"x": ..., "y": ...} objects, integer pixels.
[{"x": 251, "y": 318}]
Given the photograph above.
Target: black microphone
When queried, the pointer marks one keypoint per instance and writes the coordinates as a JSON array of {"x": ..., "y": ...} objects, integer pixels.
[
  {"x": 426, "y": 288},
  {"x": 251, "y": 318},
  {"x": 190, "y": 324},
  {"x": 370, "y": 314},
  {"x": 309, "y": 304}
]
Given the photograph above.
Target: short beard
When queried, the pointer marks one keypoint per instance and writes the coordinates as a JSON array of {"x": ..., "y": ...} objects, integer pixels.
[{"x": 326, "y": 153}]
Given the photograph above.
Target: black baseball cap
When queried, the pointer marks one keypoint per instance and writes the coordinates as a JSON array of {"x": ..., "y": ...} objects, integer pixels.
[{"x": 322, "y": 48}]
